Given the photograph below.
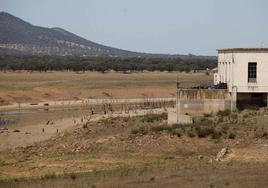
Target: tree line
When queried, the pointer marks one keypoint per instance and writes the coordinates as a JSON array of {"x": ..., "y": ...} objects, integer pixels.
[{"x": 102, "y": 64}]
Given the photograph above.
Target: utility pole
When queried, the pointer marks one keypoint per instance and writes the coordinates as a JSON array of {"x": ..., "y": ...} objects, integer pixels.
[{"x": 177, "y": 99}]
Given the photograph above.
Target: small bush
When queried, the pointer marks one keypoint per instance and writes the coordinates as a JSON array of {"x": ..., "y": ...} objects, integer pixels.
[
  {"x": 216, "y": 135},
  {"x": 253, "y": 107},
  {"x": 220, "y": 120},
  {"x": 260, "y": 134},
  {"x": 207, "y": 115},
  {"x": 73, "y": 176},
  {"x": 178, "y": 133},
  {"x": 231, "y": 135},
  {"x": 203, "y": 132},
  {"x": 164, "y": 116},
  {"x": 191, "y": 134},
  {"x": 225, "y": 127},
  {"x": 84, "y": 126},
  {"x": 139, "y": 130},
  {"x": 161, "y": 128},
  {"x": 224, "y": 113},
  {"x": 176, "y": 126},
  {"x": 150, "y": 118},
  {"x": 49, "y": 176},
  {"x": 234, "y": 116}
]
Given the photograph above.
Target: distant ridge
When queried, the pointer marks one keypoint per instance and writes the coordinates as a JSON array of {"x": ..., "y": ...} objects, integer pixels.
[{"x": 18, "y": 37}]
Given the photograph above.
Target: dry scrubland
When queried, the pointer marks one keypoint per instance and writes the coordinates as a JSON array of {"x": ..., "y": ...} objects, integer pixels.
[
  {"x": 145, "y": 152},
  {"x": 34, "y": 87}
]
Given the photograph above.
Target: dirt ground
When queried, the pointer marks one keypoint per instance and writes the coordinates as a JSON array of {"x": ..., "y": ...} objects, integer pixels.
[
  {"x": 222, "y": 176},
  {"x": 25, "y": 87},
  {"x": 42, "y": 125}
]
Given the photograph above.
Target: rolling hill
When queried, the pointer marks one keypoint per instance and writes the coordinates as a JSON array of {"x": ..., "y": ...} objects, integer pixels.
[{"x": 18, "y": 37}]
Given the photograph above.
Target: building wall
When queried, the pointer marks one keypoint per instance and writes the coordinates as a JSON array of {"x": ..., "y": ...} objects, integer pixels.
[{"x": 233, "y": 70}]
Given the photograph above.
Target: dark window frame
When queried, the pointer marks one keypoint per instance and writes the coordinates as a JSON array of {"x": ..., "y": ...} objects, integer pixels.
[{"x": 252, "y": 72}]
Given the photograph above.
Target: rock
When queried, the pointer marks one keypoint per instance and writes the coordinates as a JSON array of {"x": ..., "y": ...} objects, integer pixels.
[
  {"x": 101, "y": 141},
  {"x": 16, "y": 131},
  {"x": 3, "y": 129},
  {"x": 110, "y": 138},
  {"x": 222, "y": 154},
  {"x": 200, "y": 157}
]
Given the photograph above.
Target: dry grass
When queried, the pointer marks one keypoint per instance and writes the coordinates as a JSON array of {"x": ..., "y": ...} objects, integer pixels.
[{"x": 31, "y": 87}]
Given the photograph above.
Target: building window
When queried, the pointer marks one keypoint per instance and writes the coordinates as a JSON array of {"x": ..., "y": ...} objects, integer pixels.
[{"x": 252, "y": 72}]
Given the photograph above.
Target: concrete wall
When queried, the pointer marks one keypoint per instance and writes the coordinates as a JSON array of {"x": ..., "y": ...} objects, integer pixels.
[
  {"x": 182, "y": 118},
  {"x": 202, "y": 94},
  {"x": 199, "y": 107},
  {"x": 233, "y": 69},
  {"x": 193, "y": 102},
  {"x": 200, "y": 101}
]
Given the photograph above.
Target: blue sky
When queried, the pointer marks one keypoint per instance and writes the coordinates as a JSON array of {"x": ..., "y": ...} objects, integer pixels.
[{"x": 156, "y": 26}]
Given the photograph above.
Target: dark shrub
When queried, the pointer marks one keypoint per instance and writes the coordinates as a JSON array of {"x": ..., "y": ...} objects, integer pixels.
[
  {"x": 207, "y": 115},
  {"x": 191, "y": 134},
  {"x": 176, "y": 126},
  {"x": 260, "y": 134},
  {"x": 155, "y": 117},
  {"x": 216, "y": 135},
  {"x": 234, "y": 116},
  {"x": 253, "y": 107},
  {"x": 49, "y": 176},
  {"x": 224, "y": 113},
  {"x": 72, "y": 176},
  {"x": 232, "y": 135},
  {"x": 139, "y": 130},
  {"x": 203, "y": 132},
  {"x": 161, "y": 128}
]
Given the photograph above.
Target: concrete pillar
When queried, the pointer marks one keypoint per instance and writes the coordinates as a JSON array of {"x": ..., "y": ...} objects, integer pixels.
[
  {"x": 267, "y": 99},
  {"x": 234, "y": 98}
]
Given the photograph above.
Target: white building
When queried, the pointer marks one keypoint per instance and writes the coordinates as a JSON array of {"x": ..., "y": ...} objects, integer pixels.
[{"x": 245, "y": 71}]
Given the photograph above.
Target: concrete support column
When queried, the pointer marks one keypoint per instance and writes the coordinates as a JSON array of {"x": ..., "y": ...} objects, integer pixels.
[
  {"x": 267, "y": 99},
  {"x": 234, "y": 98}
]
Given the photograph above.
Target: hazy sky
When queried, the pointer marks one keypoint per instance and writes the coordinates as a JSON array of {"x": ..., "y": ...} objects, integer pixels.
[{"x": 157, "y": 26}]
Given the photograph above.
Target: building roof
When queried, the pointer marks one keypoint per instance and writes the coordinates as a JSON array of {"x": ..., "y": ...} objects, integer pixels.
[{"x": 242, "y": 49}]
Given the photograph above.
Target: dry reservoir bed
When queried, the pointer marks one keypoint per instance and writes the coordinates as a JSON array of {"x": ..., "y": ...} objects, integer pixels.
[{"x": 25, "y": 87}]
